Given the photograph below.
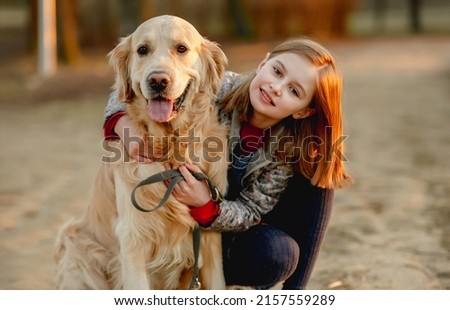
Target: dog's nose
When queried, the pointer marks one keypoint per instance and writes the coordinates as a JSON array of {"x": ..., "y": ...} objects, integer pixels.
[{"x": 158, "y": 81}]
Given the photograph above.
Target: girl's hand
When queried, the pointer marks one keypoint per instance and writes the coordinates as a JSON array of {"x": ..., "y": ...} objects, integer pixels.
[
  {"x": 191, "y": 191},
  {"x": 132, "y": 139}
]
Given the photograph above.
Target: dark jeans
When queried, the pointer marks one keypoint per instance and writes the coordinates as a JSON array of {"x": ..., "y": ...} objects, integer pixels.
[
  {"x": 285, "y": 247},
  {"x": 259, "y": 257}
]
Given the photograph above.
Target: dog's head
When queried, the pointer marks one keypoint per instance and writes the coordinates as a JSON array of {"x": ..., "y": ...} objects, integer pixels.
[{"x": 168, "y": 63}]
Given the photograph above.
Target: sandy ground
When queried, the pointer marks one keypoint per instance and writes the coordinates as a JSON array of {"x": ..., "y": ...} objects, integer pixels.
[{"x": 390, "y": 230}]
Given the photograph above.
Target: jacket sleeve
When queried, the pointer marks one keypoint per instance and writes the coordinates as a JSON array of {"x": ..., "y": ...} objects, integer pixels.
[
  {"x": 229, "y": 82},
  {"x": 110, "y": 124},
  {"x": 113, "y": 106},
  {"x": 258, "y": 197}
]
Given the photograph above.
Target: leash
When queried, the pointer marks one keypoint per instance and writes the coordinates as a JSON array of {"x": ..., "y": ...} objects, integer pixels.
[
  {"x": 176, "y": 176},
  {"x": 195, "y": 282}
]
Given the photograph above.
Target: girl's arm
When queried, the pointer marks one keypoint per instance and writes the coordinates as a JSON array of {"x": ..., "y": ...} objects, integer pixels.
[
  {"x": 136, "y": 145},
  {"x": 118, "y": 125},
  {"x": 256, "y": 199}
]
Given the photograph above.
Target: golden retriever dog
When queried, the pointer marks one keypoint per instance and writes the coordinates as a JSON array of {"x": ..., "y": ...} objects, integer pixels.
[{"x": 168, "y": 75}]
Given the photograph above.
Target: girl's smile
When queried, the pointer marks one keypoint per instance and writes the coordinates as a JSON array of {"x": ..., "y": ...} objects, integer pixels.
[{"x": 266, "y": 97}]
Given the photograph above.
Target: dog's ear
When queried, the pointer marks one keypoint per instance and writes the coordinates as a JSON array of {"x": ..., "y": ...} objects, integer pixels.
[
  {"x": 214, "y": 63},
  {"x": 118, "y": 60}
]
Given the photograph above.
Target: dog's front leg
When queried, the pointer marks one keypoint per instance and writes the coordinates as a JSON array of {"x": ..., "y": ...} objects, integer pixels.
[
  {"x": 211, "y": 273},
  {"x": 131, "y": 254},
  {"x": 134, "y": 273}
]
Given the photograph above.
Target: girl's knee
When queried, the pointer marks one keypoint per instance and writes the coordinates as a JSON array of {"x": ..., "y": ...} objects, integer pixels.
[
  {"x": 261, "y": 256},
  {"x": 285, "y": 254},
  {"x": 282, "y": 252}
]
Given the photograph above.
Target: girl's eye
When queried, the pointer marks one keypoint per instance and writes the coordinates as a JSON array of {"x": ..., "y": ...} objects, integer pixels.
[
  {"x": 294, "y": 91},
  {"x": 142, "y": 50},
  {"x": 182, "y": 49},
  {"x": 277, "y": 71}
]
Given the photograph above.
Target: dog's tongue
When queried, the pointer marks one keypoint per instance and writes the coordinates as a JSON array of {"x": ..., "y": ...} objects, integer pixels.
[{"x": 160, "y": 109}]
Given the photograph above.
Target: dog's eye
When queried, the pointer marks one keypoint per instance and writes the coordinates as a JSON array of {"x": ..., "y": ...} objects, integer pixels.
[
  {"x": 182, "y": 49},
  {"x": 142, "y": 50}
]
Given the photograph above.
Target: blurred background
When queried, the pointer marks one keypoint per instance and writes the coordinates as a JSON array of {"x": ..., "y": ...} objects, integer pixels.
[
  {"x": 84, "y": 25},
  {"x": 390, "y": 230}
]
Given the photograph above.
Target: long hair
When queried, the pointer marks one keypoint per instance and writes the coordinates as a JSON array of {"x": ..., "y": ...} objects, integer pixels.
[{"x": 314, "y": 145}]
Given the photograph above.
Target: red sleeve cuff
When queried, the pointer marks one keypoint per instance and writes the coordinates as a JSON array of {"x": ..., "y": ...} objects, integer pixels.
[
  {"x": 207, "y": 214},
  {"x": 110, "y": 123}
]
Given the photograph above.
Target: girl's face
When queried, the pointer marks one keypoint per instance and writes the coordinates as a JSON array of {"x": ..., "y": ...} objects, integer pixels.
[{"x": 283, "y": 86}]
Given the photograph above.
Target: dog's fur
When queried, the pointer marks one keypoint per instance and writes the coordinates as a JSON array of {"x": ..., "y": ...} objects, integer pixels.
[{"x": 113, "y": 245}]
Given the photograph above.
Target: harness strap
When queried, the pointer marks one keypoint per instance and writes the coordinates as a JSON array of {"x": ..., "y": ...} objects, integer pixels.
[{"x": 176, "y": 176}]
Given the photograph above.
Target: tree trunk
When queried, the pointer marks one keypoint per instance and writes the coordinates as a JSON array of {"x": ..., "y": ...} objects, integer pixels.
[
  {"x": 414, "y": 10},
  {"x": 69, "y": 47},
  {"x": 32, "y": 26}
]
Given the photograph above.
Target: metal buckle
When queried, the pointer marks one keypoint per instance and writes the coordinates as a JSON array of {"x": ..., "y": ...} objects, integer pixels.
[
  {"x": 197, "y": 284},
  {"x": 216, "y": 196}
]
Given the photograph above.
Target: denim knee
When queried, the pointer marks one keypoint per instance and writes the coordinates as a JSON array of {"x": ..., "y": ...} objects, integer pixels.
[
  {"x": 283, "y": 254},
  {"x": 260, "y": 257}
]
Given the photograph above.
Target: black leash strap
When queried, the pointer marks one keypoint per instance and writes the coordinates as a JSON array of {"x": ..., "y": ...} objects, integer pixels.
[
  {"x": 195, "y": 282},
  {"x": 176, "y": 176},
  {"x": 173, "y": 174}
]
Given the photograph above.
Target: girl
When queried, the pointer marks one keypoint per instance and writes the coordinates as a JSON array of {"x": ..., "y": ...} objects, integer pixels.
[{"x": 288, "y": 121}]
